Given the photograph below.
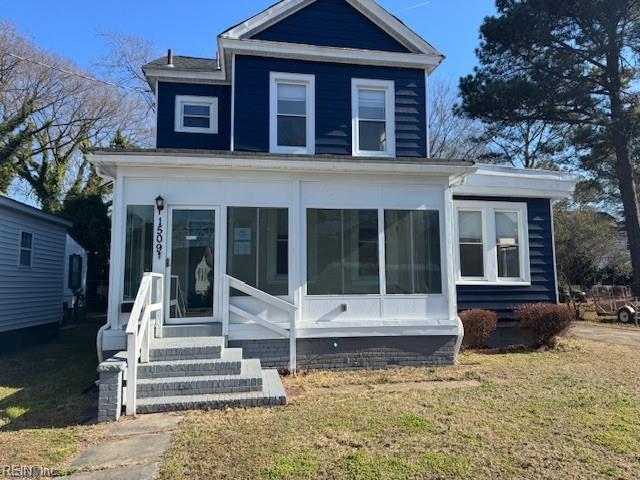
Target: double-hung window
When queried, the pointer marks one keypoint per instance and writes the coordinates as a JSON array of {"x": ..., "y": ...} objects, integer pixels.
[
  {"x": 196, "y": 114},
  {"x": 492, "y": 242},
  {"x": 292, "y": 113},
  {"x": 373, "y": 118},
  {"x": 26, "y": 249}
]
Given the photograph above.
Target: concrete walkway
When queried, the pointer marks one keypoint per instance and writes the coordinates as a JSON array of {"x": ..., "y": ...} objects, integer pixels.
[
  {"x": 613, "y": 335},
  {"x": 132, "y": 450}
]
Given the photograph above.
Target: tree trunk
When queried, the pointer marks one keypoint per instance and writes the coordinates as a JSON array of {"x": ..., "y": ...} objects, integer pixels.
[{"x": 624, "y": 166}]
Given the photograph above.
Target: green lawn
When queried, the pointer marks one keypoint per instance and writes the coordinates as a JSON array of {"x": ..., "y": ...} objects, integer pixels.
[
  {"x": 571, "y": 413},
  {"x": 42, "y": 405}
]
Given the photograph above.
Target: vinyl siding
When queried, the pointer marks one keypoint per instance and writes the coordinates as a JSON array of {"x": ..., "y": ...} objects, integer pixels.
[
  {"x": 167, "y": 137},
  {"x": 503, "y": 299},
  {"x": 30, "y": 296},
  {"x": 333, "y": 103},
  {"x": 331, "y": 23}
]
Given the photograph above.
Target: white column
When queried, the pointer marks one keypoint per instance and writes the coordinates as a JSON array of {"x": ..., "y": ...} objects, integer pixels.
[{"x": 116, "y": 256}]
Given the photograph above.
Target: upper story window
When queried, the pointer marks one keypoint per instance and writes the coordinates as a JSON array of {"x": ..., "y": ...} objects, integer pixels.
[
  {"x": 26, "y": 249},
  {"x": 492, "y": 243},
  {"x": 292, "y": 113},
  {"x": 195, "y": 114},
  {"x": 373, "y": 118}
]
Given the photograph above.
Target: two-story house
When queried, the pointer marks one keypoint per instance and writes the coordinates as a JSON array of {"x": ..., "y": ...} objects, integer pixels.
[{"x": 291, "y": 214}]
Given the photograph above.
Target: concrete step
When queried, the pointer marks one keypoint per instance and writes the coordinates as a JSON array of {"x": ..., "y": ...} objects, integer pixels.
[
  {"x": 249, "y": 379},
  {"x": 272, "y": 393},
  {"x": 183, "y": 331},
  {"x": 193, "y": 348},
  {"x": 230, "y": 363}
]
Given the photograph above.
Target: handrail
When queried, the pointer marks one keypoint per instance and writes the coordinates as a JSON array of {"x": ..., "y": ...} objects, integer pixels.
[
  {"x": 231, "y": 282},
  {"x": 149, "y": 301}
]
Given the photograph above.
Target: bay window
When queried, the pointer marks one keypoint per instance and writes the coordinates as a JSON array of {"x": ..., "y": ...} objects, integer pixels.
[
  {"x": 292, "y": 113},
  {"x": 492, "y": 242}
]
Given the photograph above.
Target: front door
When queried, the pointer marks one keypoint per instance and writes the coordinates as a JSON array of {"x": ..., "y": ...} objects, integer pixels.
[{"x": 191, "y": 266}]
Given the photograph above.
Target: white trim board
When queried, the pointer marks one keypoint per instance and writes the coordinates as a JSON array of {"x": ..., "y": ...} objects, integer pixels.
[{"x": 500, "y": 181}]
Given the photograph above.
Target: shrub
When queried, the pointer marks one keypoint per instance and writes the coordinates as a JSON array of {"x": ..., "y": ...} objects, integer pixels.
[
  {"x": 478, "y": 327},
  {"x": 545, "y": 320}
]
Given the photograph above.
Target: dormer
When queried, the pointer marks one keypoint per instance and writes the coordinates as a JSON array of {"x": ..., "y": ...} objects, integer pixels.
[{"x": 304, "y": 77}]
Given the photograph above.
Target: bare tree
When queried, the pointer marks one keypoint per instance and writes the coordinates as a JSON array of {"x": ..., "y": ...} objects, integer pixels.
[
  {"x": 452, "y": 135},
  {"x": 526, "y": 144},
  {"x": 52, "y": 113},
  {"x": 123, "y": 64}
]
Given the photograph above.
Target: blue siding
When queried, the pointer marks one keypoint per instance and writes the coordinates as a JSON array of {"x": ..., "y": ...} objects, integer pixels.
[
  {"x": 503, "y": 300},
  {"x": 331, "y": 23},
  {"x": 168, "y": 138},
  {"x": 333, "y": 103}
]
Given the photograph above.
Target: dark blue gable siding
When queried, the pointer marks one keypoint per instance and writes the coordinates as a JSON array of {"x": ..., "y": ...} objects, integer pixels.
[
  {"x": 168, "y": 138},
  {"x": 331, "y": 23},
  {"x": 333, "y": 103},
  {"x": 503, "y": 300}
]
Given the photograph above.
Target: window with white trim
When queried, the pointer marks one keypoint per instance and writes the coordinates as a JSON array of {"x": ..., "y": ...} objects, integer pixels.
[
  {"x": 292, "y": 113},
  {"x": 26, "y": 249},
  {"x": 196, "y": 114},
  {"x": 373, "y": 118},
  {"x": 492, "y": 242}
]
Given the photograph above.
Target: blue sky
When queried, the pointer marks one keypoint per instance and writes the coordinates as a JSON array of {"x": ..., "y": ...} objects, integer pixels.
[{"x": 71, "y": 28}]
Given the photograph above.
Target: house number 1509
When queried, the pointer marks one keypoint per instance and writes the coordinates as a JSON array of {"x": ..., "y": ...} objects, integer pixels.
[{"x": 159, "y": 237}]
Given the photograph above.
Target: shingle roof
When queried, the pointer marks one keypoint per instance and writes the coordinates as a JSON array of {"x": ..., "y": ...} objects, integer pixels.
[{"x": 193, "y": 64}]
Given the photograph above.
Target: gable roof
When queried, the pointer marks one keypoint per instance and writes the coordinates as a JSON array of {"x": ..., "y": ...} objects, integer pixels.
[
  {"x": 369, "y": 8},
  {"x": 33, "y": 212},
  {"x": 240, "y": 39}
]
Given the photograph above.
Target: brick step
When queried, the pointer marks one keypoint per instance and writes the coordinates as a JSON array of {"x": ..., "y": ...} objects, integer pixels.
[
  {"x": 249, "y": 379},
  {"x": 194, "y": 348},
  {"x": 183, "y": 331},
  {"x": 230, "y": 363},
  {"x": 272, "y": 393}
]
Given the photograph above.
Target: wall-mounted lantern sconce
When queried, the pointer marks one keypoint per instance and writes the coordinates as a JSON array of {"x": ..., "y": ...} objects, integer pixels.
[{"x": 159, "y": 203}]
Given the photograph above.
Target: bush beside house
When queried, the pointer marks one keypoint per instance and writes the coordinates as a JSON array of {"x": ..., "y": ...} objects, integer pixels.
[
  {"x": 545, "y": 320},
  {"x": 478, "y": 327}
]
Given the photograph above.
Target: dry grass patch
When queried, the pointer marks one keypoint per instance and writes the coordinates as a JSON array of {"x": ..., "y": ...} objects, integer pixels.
[
  {"x": 569, "y": 413},
  {"x": 43, "y": 410}
]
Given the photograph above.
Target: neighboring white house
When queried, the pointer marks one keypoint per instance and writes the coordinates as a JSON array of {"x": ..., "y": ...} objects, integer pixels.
[{"x": 32, "y": 272}]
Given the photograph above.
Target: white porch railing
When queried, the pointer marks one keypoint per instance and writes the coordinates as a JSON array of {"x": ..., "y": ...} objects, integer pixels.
[
  {"x": 227, "y": 309},
  {"x": 149, "y": 301}
]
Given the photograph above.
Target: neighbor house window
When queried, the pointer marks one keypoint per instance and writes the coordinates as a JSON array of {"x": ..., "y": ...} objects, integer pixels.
[
  {"x": 373, "y": 117},
  {"x": 75, "y": 272},
  {"x": 258, "y": 247},
  {"x": 138, "y": 257},
  {"x": 196, "y": 114},
  {"x": 412, "y": 252},
  {"x": 26, "y": 249},
  {"x": 492, "y": 242},
  {"x": 292, "y": 113},
  {"x": 342, "y": 252}
]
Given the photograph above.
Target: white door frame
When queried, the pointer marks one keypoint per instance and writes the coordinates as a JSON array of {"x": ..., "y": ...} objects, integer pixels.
[{"x": 217, "y": 267}]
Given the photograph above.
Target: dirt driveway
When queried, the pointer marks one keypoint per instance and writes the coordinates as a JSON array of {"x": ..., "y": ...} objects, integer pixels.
[{"x": 613, "y": 335}]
